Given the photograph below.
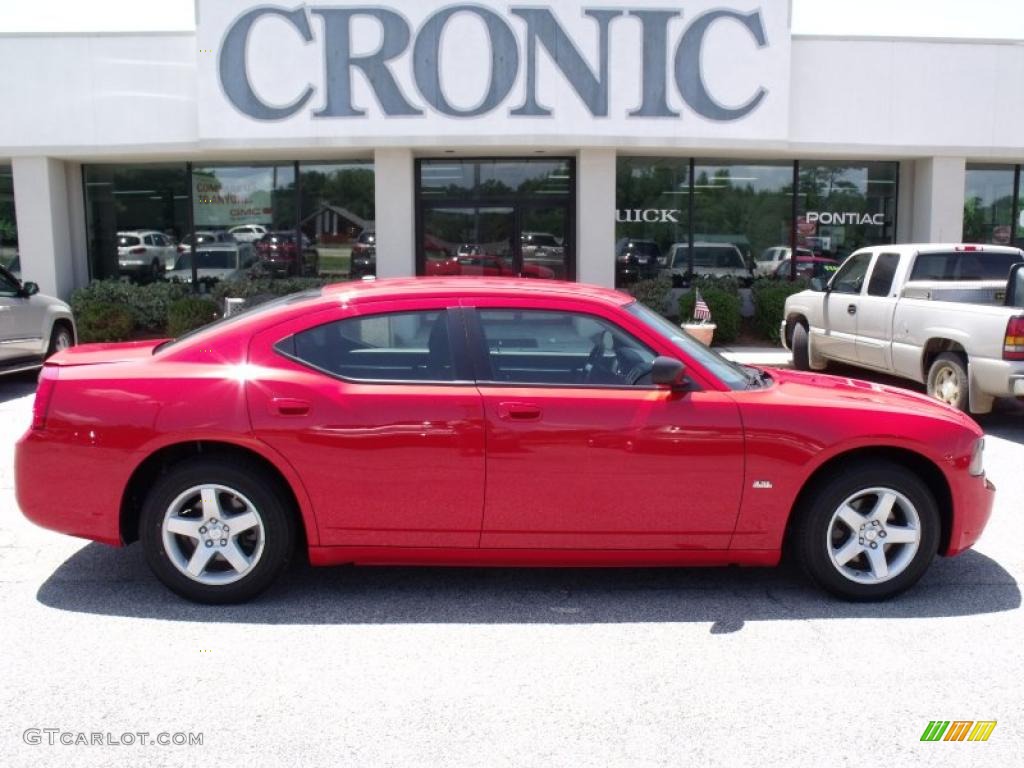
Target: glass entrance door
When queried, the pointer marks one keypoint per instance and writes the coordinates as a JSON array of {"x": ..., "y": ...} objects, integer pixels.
[{"x": 499, "y": 218}]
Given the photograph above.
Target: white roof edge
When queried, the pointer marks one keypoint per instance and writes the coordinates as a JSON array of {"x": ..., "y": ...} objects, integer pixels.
[{"x": 906, "y": 39}]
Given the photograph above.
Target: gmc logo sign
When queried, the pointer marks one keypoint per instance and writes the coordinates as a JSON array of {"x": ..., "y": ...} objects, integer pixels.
[{"x": 513, "y": 42}]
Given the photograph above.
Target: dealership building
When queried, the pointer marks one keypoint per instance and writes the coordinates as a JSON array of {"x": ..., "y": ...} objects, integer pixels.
[{"x": 491, "y": 137}]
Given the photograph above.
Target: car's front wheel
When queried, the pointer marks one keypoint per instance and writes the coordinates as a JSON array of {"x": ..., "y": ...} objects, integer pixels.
[
  {"x": 868, "y": 533},
  {"x": 215, "y": 532},
  {"x": 800, "y": 347}
]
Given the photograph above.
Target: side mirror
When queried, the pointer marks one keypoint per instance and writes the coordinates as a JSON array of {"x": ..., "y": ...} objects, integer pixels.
[
  {"x": 668, "y": 372},
  {"x": 29, "y": 289},
  {"x": 818, "y": 284},
  {"x": 1015, "y": 286}
]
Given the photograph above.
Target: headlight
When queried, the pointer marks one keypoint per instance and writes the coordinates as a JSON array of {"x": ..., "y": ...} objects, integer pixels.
[{"x": 978, "y": 458}]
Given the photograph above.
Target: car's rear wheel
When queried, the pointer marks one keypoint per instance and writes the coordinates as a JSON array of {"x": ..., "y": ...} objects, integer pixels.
[
  {"x": 947, "y": 380},
  {"x": 60, "y": 339},
  {"x": 869, "y": 533},
  {"x": 214, "y": 532},
  {"x": 800, "y": 346}
]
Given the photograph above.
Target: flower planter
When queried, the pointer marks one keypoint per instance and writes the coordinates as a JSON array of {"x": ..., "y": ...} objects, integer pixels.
[{"x": 702, "y": 332}]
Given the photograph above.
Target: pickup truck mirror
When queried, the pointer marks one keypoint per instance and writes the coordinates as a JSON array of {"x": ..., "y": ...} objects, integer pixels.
[
  {"x": 818, "y": 284},
  {"x": 29, "y": 289},
  {"x": 1015, "y": 286}
]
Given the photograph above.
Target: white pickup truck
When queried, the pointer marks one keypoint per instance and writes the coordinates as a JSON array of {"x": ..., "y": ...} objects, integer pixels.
[{"x": 948, "y": 316}]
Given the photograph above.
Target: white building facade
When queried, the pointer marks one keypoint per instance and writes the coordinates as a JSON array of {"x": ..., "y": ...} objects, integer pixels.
[{"x": 549, "y": 140}]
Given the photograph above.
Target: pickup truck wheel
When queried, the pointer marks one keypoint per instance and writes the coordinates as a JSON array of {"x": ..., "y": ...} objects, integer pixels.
[
  {"x": 947, "y": 380},
  {"x": 215, "y": 532},
  {"x": 800, "y": 345},
  {"x": 869, "y": 533}
]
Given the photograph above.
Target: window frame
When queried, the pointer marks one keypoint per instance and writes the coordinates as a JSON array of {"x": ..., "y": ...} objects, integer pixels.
[
  {"x": 480, "y": 353},
  {"x": 461, "y": 365}
]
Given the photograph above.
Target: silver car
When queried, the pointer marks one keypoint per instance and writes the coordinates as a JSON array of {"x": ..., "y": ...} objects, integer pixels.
[{"x": 32, "y": 326}]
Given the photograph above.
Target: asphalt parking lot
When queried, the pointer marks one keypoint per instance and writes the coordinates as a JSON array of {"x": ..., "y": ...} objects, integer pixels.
[{"x": 507, "y": 667}]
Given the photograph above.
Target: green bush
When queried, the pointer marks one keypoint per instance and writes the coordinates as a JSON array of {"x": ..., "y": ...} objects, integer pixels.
[
  {"x": 770, "y": 302},
  {"x": 257, "y": 290},
  {"x": 652, "y": 293},
  {"x": 187, "y": 314},
  {"x": 724, "y": 306},
  {"x": 104, "y": 321},
  {"x": 148, "y": 303}
]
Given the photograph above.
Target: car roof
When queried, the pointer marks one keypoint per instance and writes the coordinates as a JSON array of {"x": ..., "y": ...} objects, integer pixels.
[{"x": 504, "y": 287}]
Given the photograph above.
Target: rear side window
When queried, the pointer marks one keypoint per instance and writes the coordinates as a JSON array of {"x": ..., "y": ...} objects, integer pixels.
[
  {"x": 399, "y": 346},
  {"x": 882, "y": 275},
  {"x": 964, "y": 265}
]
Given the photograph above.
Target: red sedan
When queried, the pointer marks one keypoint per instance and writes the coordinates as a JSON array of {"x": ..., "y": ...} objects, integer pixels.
[{"x": 488, "y": 422}]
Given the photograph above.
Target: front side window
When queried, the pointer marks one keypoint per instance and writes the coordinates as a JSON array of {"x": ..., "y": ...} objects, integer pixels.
[
  {"x": 561, "y": 348},
  {"x": 398, "y": 346},
  {"x": 850, "y": 277}
]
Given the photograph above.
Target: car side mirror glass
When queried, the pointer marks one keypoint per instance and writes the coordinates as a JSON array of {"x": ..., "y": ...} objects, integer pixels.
[
  {"x": 668, "y": 372},
  {"x": 29, "y": 289},
  {"x": 818, "y": 284}
]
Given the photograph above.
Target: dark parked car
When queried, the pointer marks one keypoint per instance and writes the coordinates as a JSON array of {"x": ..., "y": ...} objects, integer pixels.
[
  {"x": 364, "y": 256},
  {"x": 279, "y": 255},
  {"x": 637, "y": 260}
]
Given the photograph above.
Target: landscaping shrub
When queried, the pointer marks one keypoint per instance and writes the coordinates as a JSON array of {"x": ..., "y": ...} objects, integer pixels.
[
  {"x": 770, "y": 302},
  {"x": 190, "y": 313},
  {"x": 724, "y": 306},
  {"x": 652, "y": 293},
  {"x": 148, "y": 303},
  {"x": 104, "y": 321}
]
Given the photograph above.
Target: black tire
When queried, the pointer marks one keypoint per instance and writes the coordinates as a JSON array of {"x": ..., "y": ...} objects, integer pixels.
[
  {"x": 800, "y": 347},
  {"x": 947, "y": 380},
  {"x": 241, "y": 477},
  {"x": 814, "y": 536},
  {"x": 61, "y": 337}
]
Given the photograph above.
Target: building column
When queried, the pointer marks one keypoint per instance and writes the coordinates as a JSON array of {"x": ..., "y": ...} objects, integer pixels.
[
  {"x": 595, "y": 216},
  {"x": 44, "y": 230},
  {"x": 394, "y": 201},
  {"x": 938, "y": 205}
]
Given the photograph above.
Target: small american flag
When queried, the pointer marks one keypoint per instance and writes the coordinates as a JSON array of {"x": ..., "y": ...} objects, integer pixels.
[{"x": 701, "y": 310}]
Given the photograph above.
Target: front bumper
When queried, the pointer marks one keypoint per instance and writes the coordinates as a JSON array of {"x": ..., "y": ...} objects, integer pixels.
[{"x": 972, "y": 507}]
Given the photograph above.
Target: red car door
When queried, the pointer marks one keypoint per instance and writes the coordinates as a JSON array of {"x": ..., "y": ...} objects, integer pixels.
[
  {"x": 577, "y": 457},
  {"x": 376, "y": 411}
]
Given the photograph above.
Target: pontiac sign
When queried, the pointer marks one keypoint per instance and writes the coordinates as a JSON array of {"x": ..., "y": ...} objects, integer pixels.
[{"x": 693, "y": 68}]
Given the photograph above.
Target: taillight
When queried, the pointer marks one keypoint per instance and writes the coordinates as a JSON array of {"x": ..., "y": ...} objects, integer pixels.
[
  {"x": 1013, "y": 344},
  {"x": 969, "y": 248},
  {"x": 140, "y": 249},
  {"x": 44, "y": 393}
]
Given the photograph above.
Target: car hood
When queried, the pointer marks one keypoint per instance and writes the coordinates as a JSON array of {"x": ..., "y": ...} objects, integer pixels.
[
  {"x": 842, "y": 391},
  {"x": 94, "y": 354}
]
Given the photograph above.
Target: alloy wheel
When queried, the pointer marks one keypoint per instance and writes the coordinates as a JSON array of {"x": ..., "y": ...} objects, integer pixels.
[
  {"x": 873, "y": 535},
  {"x": 213, "y": 534}
]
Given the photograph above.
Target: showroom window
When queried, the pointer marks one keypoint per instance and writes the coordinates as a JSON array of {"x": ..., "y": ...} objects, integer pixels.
[
  {"x": 8, "y": 222},
  {"x": 504, "y": 217},
  {"x": 678, "y": 217},
  {"x": 337, "y": 209},
  {"x": 652, "y": 215},
  {"x": 845, "y": 206},
  {"x": 131, "y": 202},
  {"x": 140, "y": 218},
  {"x": 991, "y": 204}
]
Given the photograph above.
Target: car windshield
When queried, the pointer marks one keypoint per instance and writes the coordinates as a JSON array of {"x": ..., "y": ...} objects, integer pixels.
[
  {"x": 208, "y": 260},
  {"x": 730, "y": 374}
]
